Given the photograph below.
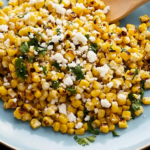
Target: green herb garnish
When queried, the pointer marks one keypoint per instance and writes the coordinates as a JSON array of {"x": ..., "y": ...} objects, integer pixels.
[
  {"x": 21, "y": 69},
  {"x": 77, "y": 71},
  {"x": 90, "y": 128},
  {"x": 85, "y": 141},
  {"x": 30, "y": 59},
  {"x": 60, "y": 1},
  {"x": 58, "y": 31},
  {"x": 72, "y": 90},
  {"x": 55, "y": 84},
  {"x": 70, "y": 23},
  {"x": 111, "y": 49},
  {"x": 45, "y": 70},
  {"x": 126, "y": 69},
  {"x": 56, "y": 65},
  {"x": 135, "y": 73},
  {"x": 87, "y": 36},
  {"x": 142, "y": 82},
  {"x": 114, "y": 133},
  {"x": 93, "y": 47},
  {"x": 123, "y": 50},
  {"x": 22, "y": 16},
  {"x": 24, "y": 48}
]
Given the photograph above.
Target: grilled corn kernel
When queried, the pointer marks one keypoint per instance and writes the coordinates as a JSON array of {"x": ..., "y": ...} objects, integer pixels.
[
  {"x": 56, "y": 126},
  {"x": 104, "y": 128},
  {"x": 101, "y": 113},
  {"x": 63, "y": 119},
  {"x": 35, "y": 123},
  {"x": 146, "y": 100},
  {"x": 96, "y": 124},
  {"x": 80, "y": 131},
  {"x": 63, "y": 128},
  {"x": 114, "y": 118},
  {"x": 126, "y": 115},
  {"x": 122, "y": 123},
  {"x": 71, "y": 131},
  {"x": 47, "y": 121}
]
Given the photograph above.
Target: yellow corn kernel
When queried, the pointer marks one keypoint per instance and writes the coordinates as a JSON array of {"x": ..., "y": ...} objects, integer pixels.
[
  {"x": 110, "y": 124},
  {"x": 14, "y": 83},
  {"x": 76, "y": 103},
  {"x": 84, "y": 84},
  {"x": 125, "y": 107},
  {"x": 80, "y": 131},
  {"x": 96, "y": 124},
  {"x": 96, "y": 102},
  {"x": 80, "y": 114},
  {"x": 21, "y": 87},
  {"x": 26, "y": 117},
  {"x": 47, "y": 121},
  {"x": 125, "y": 56},
  {"x": 63, "y": 119},
  {"x": 37, "y": 94},
  {"x": 138, "y": 112},
  {"x": 122, "y": 123},
  {"x": 114, "y": 107},
  {"x": 143, "y": 27},
  {"x": 95, "y": 93},
  {"x": 146, "y": 100},
  {"x": 13, "y": 2},
  {"x": 70, "y": 109},
  {"x": 3, "y": 91},
  {"x": 114, "y": 118},
  {"x": 56, "y": 126},
  {"x": 70, "y": 131},
  {"x": 104, "y": 128},
  {"x": 35, "y": 77},
  {"x": 126, "y": 115},
  {"x": 71, "y": 125},
  {"x": 89, "y": 106},
  {"x": 1, "y": 3},
  {"x": 34, "y": 123},
  {"x": 121, "y": 98},
  {"x": 69, "y": 55},
  {"x": 34, "y": 112},
  {"x": 63, "y": 128},
  {"x": 19, "y": 112},
  {"x": 27, "y": 107},
  {"x": 101, "y": 113},
  {"x": 85, "y": 126}
]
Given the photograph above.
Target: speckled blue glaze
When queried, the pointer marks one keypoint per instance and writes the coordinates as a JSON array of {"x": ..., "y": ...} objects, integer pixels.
[{"x": 21, "y": 136}]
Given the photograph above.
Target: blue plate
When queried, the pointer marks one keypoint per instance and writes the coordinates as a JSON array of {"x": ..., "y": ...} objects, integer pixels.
[{"x": 19, "y": 134}]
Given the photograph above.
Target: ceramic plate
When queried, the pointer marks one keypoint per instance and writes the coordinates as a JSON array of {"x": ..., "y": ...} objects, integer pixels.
[{"x": 19, "y": 134}]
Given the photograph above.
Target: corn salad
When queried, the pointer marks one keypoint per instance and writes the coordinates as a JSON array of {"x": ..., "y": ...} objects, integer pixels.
[{"x": 62, "y": 65}]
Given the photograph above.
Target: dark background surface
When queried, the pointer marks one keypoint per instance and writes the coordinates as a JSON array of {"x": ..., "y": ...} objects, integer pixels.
[{"x": 5, "y": 148}]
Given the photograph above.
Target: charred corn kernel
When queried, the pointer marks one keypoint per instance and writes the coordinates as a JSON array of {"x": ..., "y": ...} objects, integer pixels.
[
  {"x": 114, "y": 118},
  {"x": 27, "y": 107},
  {"x": 122, "y": 123},
  {"x": 76, "y": 103},
  {"x": 71, "y": 131},
  {"x": 35, "y": 123},
  {"x": 47, "y": 121},
  {"x": 63, "y": 119},
  {"x": 56, "y": 126},
  {"x": 3, "y": 91},
  {"x": 34, "y": 112},
  {"x": 96, "y": 124},
  {"x": 70, "y": 109},
  {"x": 19, "y": 112},
  {"x": 80, "y": 114},
  {"x": 69, "y": 55},
  {"x": 63, "y": 128},
  {"x": 138, "y": 112},
  {"x": 84, "y": 84},
  {"x": 35, "y": 77},
  {"x": 110, "y": 124},
  {"x": 80, "y": 131},
  {"x": 104, "y": 128},
  {"x": 146, "y": 100},
  {"x": 101, "y": 113},
  {"x": 126, "y": 115},
  {"x": 21, "y": 87},
  {"x": 26, "y": 117},
  {"x": 89, "y": 106}
]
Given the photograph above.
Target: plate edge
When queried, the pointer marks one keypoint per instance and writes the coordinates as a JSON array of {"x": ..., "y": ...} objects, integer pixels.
[{"x": 7, "y": 145}]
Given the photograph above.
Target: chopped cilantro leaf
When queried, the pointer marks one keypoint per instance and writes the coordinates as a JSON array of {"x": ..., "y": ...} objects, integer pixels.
[
  {"x": 45, "y": 70},
  {"x": 142, "y": 95},
  {"x": 85, "y": 141},
  {"x": 56, "y": 65},
  {"x": 87, "y": 36},
  {"x": 39, "y": 33},
  {"x": 114, "y": 133},
  {"x": 21, "y": 69},
  {"x": 93, "y": 47},
  {"x": 86, "y": 112},
  {"x": 123, "y": 50},
  {"x": 78, "y": 72},
  {"x": 136, "y": 106},
  {"x": 30, "y": 59},
  {"x": 90, "y": 128},
  {"x": 72, "y": 90},
  {"x": 55, "y": 84},
  {"x": 33, "y": 42},
  {"x": 21, "y": 16},
  {"x": 60, "y": 1},
  {"x": 142, "y": 84},
  {"x": 24, "y": 47},
  {"x": 131, "y": 97},
  {"x": 41, "y": 50},
  {"x": 126, "y": 69},
  {"x": 135, "y": 73},
  {"x": 70, "y": 23},
  {"x": 58, "y": 31}
]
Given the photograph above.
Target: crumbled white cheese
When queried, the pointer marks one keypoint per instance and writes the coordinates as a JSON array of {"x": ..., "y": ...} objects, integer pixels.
[
  {"x": 92, "y": 38},
  {"x": 105, "y": 103},
  {"x": 147, "y": 47},
  {"x": 78, "y": 96},
  {"x": 83, "y": 49},
  {"x": 30, "y": 87},
  {"x": 103, "y": 70},
  {"x": 54, "y": 101},
  {"x": 51, "y": 18},
  {"x": 83, "y": 18},
  {"x": 79, "y": 37},
  {"x": 15, "y": 100},
  {"x": 121, "y": 96},
  {"x": 1, "y": 36},
  {"x": 72, "y": 117},
  {"x": 68, "y": 12},
  {"x": 68, "y": 81},
  {"x": 32, "y": 2},
  {"x": 50, "y": 47},
  {"x": 35, "y": 53},
  {"x": 80, "y": 5},
  {"x": 6, "y": 18},
  {"x": 78, "y": 125},
  {"x": 59, "y": 47},
  {"x": 106, "y": 9},
  {"x": 4, "y": 28},
  {"x": 62, "y": 109},
  {"x": 58, "y": 21},
  {"x": 45, "y": 86},
  {"x": 96, "y": 110},
  {"x": 73, "y": 64},
  {"x": 92, "y": 57},
  {"x": 110, "y": 85},
  {"x": 57, "y": 38},
  {"x": 87, "y": 118},
  {"x": 7, "y": 43},
  {"x": 59, "y": 58}
]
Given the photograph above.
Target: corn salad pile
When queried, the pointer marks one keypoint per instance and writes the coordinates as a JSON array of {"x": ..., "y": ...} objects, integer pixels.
[{"x": 63, "y": 65}]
